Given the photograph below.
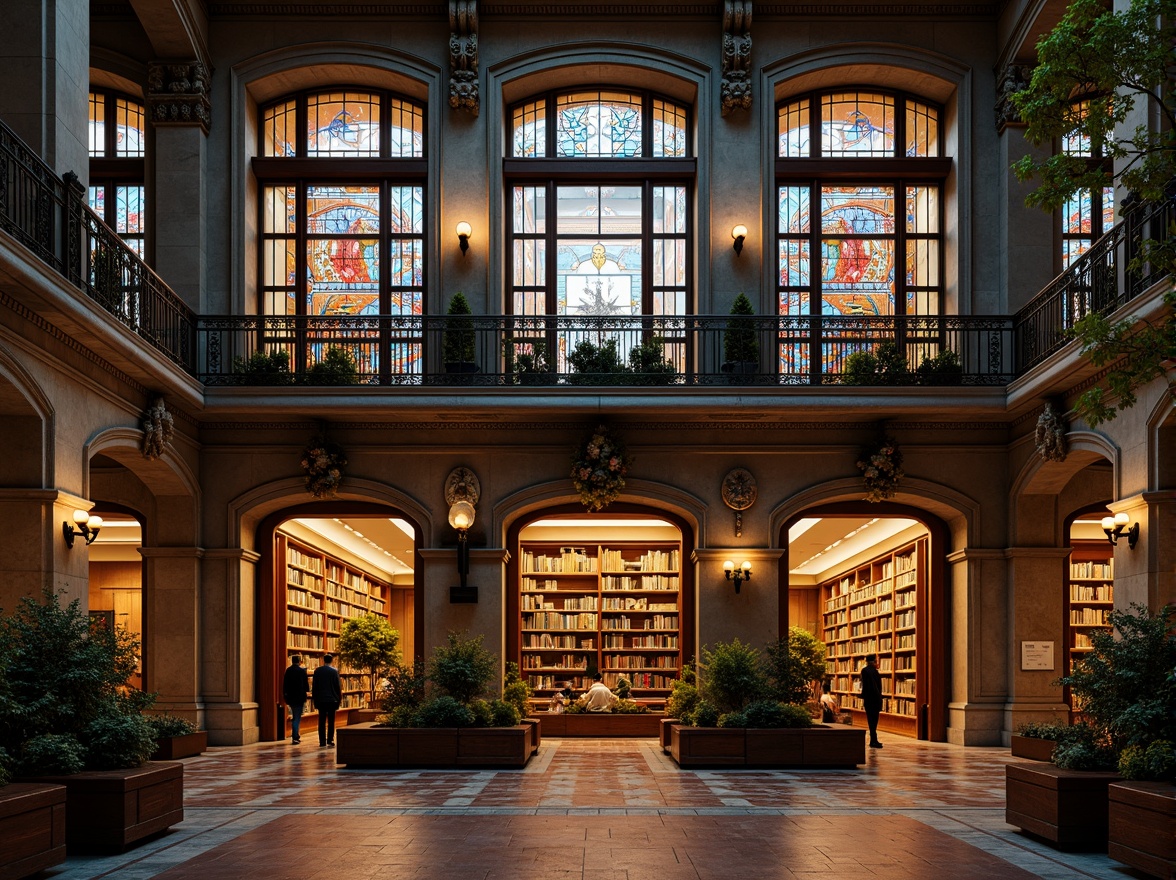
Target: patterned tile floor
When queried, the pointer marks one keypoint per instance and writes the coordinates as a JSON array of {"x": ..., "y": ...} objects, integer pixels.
[{"x": 593, "y": 810}]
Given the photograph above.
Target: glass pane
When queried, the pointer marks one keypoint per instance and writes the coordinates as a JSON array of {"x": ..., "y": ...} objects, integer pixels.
[
  {"x": 922, "y": 260},
  {"x": 669, "y": 302},
  {"x": 857, "y": 268},
  {"x": 277, "y": 131},
  {"x": 530, "y": 209},
  {"x": 857, "y": 124},
  {"x": 1077, "y": 214},
  {"x": 923, "y": 302},
  {"x": 129, "y": 140},
  {"x": 97, "y": 125},
  {"x": 793, "y": 122},
  {"x": 529, "y": 265},
  {"x": 1073, "y": 248},
  {"x": 922, "y": 209},
  {"x": 794, "y": 359},
  {"x": 1077, "y": 143},
  {"x": 343, "y": 124},
  {"x": 922, "y": 130},
  {"x": 406, "y": 134},
  {"x": 1108, "y": 208},
  {"x": 669, "y": 262},
  {"x": 278, "y": 209},
  {"x": 406, "y": 262},
  {"x": 794, "y": 263},
  {"x": 343, "y": 271},
  {"x": 582, "y": 210},
  {"x": 279, "y": 302},
  {"x": 278, "y": 263},
  {"x": 528, "y": 123},
  {"x": 669, "y": 209},
  {"x": 598, "y": 278},
  {"x": 794, "y": 210},
  {"x": 342, "y": 210},
  {"x": 529, "y": 302},
  {"x": 128, "y": 210},
  {"x": 407, "y": 211},
  {"x": 857, "y": 210},
  {"x": 96, "y": 199},
  {"x": 669, "y": 130},
  {"x": 598, "y": 125},
  {"x": 794, "y": 302}
]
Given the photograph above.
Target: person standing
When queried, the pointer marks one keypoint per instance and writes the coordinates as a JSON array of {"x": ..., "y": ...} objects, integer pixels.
[
  {"x": 326, "y": 691},
  {"x": 295, "y": 687},
  {"x": 871, "y": 697}
]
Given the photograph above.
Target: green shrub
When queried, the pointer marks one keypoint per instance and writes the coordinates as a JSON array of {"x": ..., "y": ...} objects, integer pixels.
[
  {"x": 1155, "y": 762},
  {"x": 443, "y": 711},
  {"x": 629, "y": 707},
  {"x": 1084, "y": 747},
  {"x": 732, "y": 675},
  {"x": 795, "y": 716},
  {"x": 462, "y": 667},
  {"x": 596, "y": 364},
  {"x": 682, "y": 700},
  {"x": 6, "y": 765},
  {"x": 404, "y": 687},
  {"x": 51, "y": 754},
  {"x": 764, "y": 713},
  {"x": 884, "y": 365},
  {"x": 503, "y": 714},
  {"x": 338, "y": 367},
  {"x": 1042, "y": 730},
  {"x": 575, "y": 708},
  {"x": 792, "y": 664},
  {"x": 740, "y": 342},
  {"x": 166, "y": 726},
  {"x": 264, "y": 368},
  {"x": 941, "y": 369},
  {"x": 481, "y": 713},
  {"x": 705, "y": 714},
  {"x": 516, "y": 691},
  {"x": 115, "y": 740},
  {"x": 458, "y": 344},
  {"x": 399, "y": 716},
  {"x": 733, "y": 719},
  {"x": 648, "y": 364}
]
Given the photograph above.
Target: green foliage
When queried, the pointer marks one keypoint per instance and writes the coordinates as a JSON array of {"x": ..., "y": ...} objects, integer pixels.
[
  {"x": 884, "y": 365},
  {"x": 482, "y": 714},
  {"x": 682, "y": 700},
  {"x": 400, "y": 716},
  {"x": 338, "y": 367},
  {"x": 527, "y": 360},
  {"x": 1042, "y": 730},
  {"x": 51, "y": 754},
  {"x": 740, "y": 342},
  {"x": 462, "y": 668},
  {"x": 503, "y": 714},
  {"x": 732, "y": 675},
  {"x": 596, "y": 364},
  {"x": 115, "y": 739},
  {"x": 940, "y": 369},
  {"x": 628, "y": 707},
  {"x": 458, "y": 345},
  {"x": 705, "y": 714},
  {"x": 6, "y": 764},
  {"x": 443, "y": 711},
  {"x": 264, "y": 368},
  {"x": 624, "y": 686},
  {"x": 765, "y": 713},
  {"x": 792, "y": 664},
  {"x": 404, "y": 687},
  {"x": 166, "y": 726},
  {"x": 648, "y": 364},
  {"x": 733, "y": 719},
  {"x": 516, "y": 691},
  {"x": 1155, "y": 762},
  {"x": 1123, "y": 685},
  {"x": 369, "y": 643},
  {"x": 1084, "y": 747},
  {"x": 795, "y": 716},
  {"x": 62, "y": 671}
]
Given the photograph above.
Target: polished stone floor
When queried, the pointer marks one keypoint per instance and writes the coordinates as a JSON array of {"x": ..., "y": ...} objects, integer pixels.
[{"x": 593, "y": 810}]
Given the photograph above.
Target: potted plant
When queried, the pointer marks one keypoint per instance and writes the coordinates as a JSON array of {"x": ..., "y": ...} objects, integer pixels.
[
  {"x": 176, "y": 737},
  {"x": 648, "y": 364},
  {"x": 528, "y": 362},
  {"x": 884, "y": 365},
  {"x": 68, "y": 718},
  {"x": 369, "y": 643},
  {"x": 741, "y": 342},
  {"x": 1036, "y": 740},
  {"x": 458, "y": 341},
  {"x": 264, "y": 368},
  {"x": 338, "y": 367},
  {"x": 596, "y": 364},
  {"x": 940, "y": 369}
]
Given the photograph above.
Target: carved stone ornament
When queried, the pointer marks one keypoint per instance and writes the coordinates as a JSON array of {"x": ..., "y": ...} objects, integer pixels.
[
  {"x": 739, "y": 493},
  {"x": 177, "y": 94},
  {"x": 1050, "y": 436},
  {"x": 462, "y": 485},
  {"x": 735, "y": 92},
  {"x": 1013, "y": 79},
  {"x": 463, "y": 55},
  {"x": 158, "y": 429}
]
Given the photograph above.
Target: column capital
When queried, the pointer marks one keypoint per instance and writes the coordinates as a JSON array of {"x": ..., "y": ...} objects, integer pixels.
[
  {"x": 177, "y": 94},
  {"x": 1013, "y": 78}
]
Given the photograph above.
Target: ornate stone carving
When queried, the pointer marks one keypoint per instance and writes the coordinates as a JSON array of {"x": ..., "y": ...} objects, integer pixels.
[
  {"x": 177, "y": 94},
  {"x": 463, "y": 55},
  {"x": 462, "y": 484},
  {"x": 1050, "y": 435},
  {"x": 1014, "y": 78},
  {"x": 158, "y": 429},
  {"x": 739, "y": 493},
  {"x": 735, "y": 93}
]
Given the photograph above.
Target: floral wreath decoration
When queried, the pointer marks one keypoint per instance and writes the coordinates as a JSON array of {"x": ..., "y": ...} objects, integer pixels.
[
  {"x": 323, "y": 463},
  {"x": 881, "y": 466},
  {"x": 598, "y": 469}
]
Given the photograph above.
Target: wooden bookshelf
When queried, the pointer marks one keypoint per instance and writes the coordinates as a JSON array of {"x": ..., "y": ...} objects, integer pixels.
[
  {"x": 1090, "y": 595},
  {"x": 616, "y": 608},
  {"x": 321, "y": 593},
  {"x": 880, "y": 608}
]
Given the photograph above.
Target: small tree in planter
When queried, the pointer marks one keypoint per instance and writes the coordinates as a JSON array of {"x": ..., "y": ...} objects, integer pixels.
[
  {"x": 462, "y": 668},
  {"x": 740, "y": 341},
  {"x": 338, "y": 367},
  {"x": 732, "y": 676},
  {"x": 369, "y": 643},
  {"x": 264, "y": 368},
  {"x": 792, "y": 664},
  {"x": 648, "y": 364},
  {"x": 596, "y": 364},
  {"x": 458, "y": 346}
]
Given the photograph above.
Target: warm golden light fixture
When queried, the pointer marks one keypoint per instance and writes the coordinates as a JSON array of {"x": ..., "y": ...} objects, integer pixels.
[
  {"x": 1116, "y": 527},
  {"x": 739, "y": 575},
  {"x": 738, "y": 233},
  {"x": 464, "y": 231},
  {"x": 87, "y": 527}
]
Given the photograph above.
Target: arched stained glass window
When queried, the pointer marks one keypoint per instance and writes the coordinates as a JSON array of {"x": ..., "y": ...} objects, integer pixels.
[{"x": 117, "y": 148}]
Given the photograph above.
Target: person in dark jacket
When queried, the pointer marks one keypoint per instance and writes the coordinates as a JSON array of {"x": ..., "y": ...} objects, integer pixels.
[
  {"x": 295, "y": 687},
  {"x": 326, "y": 691},
  {"x": 871, "y": 697}
]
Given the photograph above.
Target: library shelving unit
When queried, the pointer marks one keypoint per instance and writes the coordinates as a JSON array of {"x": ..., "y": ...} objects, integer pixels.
[
  {"x": 880, "y": 608},
  {"x": 1090, "y": 595},
  {"x": 321, "y": 592},
  {"x": 616, "y": 608}
]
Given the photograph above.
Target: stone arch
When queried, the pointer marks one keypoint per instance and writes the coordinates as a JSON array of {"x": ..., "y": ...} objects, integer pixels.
[
  {"x": 29, "y": 419},
  {"x": 1041, "y": 479}
]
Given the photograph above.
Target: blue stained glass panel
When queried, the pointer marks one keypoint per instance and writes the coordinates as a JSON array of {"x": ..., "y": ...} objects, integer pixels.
[
  {"x": 342, "y": 210},
  {"x": 795, "y": 269},
  {"x": 96, "y": 198},
  {"x": 861, "y": 210},
  {"x": 343, "y": 124},
  {"x": 530, "y": 129},
  {"x": 793, "y": 124},
  {"x": 1108, "y": 208},
  {"x": 793, "y": 207},
  {"x": 598, "y": 125},
  {"x": 857, "y": 124}
]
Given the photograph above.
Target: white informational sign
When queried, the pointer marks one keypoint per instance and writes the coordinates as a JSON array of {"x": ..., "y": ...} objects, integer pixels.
[{"x": 1037, "y": 655}]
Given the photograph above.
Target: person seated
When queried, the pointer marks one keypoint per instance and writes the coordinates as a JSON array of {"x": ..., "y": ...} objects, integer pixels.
[
  {"x": 561, "y": 698},
  {"x": 598, "y": 698},
  {"x": 829, "y": 708}
]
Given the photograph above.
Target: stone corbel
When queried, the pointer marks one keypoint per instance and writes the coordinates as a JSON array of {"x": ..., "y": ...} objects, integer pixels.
[
  {"x": 463, "y": 55},
  {"x": 1014, "y": 78},
  {"x": 177, "y": 94},
  {"x": 736, "y": 86}
]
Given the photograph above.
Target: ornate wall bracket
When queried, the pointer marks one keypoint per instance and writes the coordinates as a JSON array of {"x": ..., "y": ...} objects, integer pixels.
[
  {"x": 177, "y": 94},
  {"x": 1013, "y": 79},
  {"x": 735, "y": 92},
  {"x": 739, "y": 493},
  {"x": 463, "y": 55}
]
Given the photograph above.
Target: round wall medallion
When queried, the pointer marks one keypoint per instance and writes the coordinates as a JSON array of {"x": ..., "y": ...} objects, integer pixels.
[{"x": 739, "y": 489}]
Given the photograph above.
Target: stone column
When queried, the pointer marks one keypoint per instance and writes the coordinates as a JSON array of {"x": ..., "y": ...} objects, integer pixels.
[
  {"x": 179, "y": 108},
  {"x": 1147, "y": 574},
  {"x": 978, "y": 611},
  {"x": 228, "y": 658},
  {"x": 171, "y": 630},
  {"x": 753, "y": 614},
  {"x": 35, "y": 555},
  {"x": 45, "y": 68},
  {"x": 484, "y": 618}
]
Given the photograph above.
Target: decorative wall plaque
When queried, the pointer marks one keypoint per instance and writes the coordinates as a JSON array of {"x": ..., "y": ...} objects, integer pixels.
[{"x": 739, "y": 493}]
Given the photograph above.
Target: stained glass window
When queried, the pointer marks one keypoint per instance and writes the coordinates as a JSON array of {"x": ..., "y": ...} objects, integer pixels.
[
  {"x": 117, "y": 147},
  {"x": 856, "y": 125},
  {"x": 1089, "y": 213}
]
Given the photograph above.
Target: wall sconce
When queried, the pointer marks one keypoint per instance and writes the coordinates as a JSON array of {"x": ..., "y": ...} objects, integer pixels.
[
  {"x": 1116, "y": 528},
  {"x": 462, "y": 490},
  {"x": 739, "y": 233},
  {"x": 87, "y": 527},
  {"x": 464, "y": 231},
  {"x": 739, "y": 575}
]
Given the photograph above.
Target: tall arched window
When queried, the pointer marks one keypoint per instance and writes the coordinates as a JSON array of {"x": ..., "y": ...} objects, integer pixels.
[
  {"x": 117, "y": 150},
  {"x": 859, "y": 211}
]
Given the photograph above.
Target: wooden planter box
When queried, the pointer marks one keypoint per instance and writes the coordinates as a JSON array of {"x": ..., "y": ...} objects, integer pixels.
[
  {"x": 172, "y": 748},
  {"x": 361, "y": 716},
  {"x": 536, "y": 732},
  {"x": 1032, "y": 748},
  {"x": 32, "y": 828},
  {"x": 1066, "y": 807},
  {"x": 115, "y": 808},
  {"x": 365, "y": 745},
  {"x": 1142, "y": 826},
  {"x": 563, "y": 724},
  {"x": 817, "y": 746},
  {"x": 664, "y": 732}
]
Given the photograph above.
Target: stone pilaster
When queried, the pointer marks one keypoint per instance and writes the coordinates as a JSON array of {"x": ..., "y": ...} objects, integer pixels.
[
  {"x": 978, "y": 614},
  {"x": 35, "y": 555},
  {"x": 228, "y": 657},
  {"x": 172, "y": 626},
  {"x": 1147, "y": 574}
]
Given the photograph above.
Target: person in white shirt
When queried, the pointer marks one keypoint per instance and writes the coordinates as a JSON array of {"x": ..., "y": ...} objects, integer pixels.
[{"x": 598, "y": 698}]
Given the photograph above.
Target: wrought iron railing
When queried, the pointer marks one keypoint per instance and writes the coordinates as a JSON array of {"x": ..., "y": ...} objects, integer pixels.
[{"x": 571, "y": 351}]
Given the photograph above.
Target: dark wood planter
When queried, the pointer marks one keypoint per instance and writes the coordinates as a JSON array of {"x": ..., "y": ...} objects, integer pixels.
[
  {"x": 664, "y": 732},
  {"x": 361, "y": 716},
  {"x": 32, "y": 828},
  {"x": 115, "y": 808},
  {"x": 817, "y": 746},
  {"x": 1142, "y": 826},
  {"x": 1032, "y": 748},
  {"x": 1066, "y": 807},
  {"x": 365, "y": 745},
  {"x": 536, "y": 732},
  {"x": 563, "y": 724},
  {"x": 172, "y": 748}
]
